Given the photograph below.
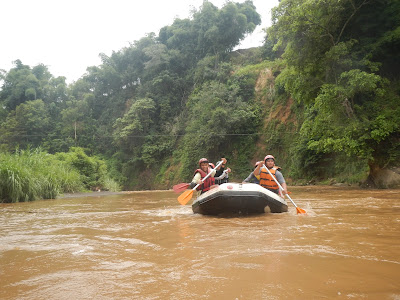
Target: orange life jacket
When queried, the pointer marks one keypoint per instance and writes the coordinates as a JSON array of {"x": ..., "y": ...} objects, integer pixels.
[
  {"x": 205, "y": 186},
  {"x": 266, "y": 180}
]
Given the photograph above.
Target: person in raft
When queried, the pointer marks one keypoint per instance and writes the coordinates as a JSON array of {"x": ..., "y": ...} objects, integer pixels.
[
  {"x": 253, "y": 178},
  {"x": 266, "y": 180},
  {"x": 199, "y": 174},
  {"x": 222, "y": 176}
]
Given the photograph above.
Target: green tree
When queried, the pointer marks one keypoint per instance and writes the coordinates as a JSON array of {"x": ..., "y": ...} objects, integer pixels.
[
  {"x": 212, "y": 31},
  {"x": 27, "y": 126},
  {"x": 19, "y": 86},
  {"x": 23, "y": 84},
  {"x": 77, "y": 125},
  {"x": 217, "y": 117},
  {"x": 332, "y": 67},
  {"x": 131, "y": 130}
]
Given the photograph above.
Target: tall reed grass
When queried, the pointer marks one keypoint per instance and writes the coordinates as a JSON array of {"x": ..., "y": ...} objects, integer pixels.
[{"x": 29, "y": 175}]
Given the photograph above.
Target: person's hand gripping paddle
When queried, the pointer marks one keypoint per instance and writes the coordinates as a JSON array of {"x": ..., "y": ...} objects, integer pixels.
[
  {"x": 298, "y": 209},
  {"x": 187, "y": 195}
]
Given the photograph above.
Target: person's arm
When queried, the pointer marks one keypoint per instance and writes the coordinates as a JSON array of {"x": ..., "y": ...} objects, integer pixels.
[
  {"x": 196, "y": 180},
  {"x": 223, "y": 163},
  {"x": 258, "y": 169},
  {"x": 284, "y": 188},
  {"x": 218, "y": 172},
  {"x": 222, "y": 176},
  {"x": 281, "y": 180},
  {"x": 248, "y": 178}
]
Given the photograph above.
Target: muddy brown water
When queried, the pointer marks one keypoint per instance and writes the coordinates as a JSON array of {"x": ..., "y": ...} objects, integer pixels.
[{"x": 144, "y": 245}]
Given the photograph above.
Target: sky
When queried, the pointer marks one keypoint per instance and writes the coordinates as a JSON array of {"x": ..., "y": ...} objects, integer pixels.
[{"x": 68, "y": 35}]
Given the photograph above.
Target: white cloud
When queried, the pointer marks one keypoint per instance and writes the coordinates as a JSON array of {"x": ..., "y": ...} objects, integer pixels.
[{"x": 68, "y": 35}]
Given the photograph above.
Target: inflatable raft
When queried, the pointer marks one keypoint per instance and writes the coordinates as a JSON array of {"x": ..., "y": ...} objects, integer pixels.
[{"x": 238, "y": 198}]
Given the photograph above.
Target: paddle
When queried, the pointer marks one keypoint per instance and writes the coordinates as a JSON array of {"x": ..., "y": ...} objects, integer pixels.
[
  {"x": 187, "y": 195},
  {"x": 298, "y": 209},
  {"x": 180, "y": 187}
]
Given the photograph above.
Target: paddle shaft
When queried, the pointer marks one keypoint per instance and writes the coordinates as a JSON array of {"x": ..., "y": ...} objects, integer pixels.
[{"x": 279, "y": 185}]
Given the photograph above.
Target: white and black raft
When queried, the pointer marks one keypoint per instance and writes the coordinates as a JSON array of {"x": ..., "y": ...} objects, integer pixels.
[{"x": 238, "y": 198}]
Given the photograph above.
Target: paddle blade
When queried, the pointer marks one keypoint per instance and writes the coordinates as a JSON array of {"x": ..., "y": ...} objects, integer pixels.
[
  {"x": 300, "y": 211},
  {"x": 185, "y": 197},
  {"x": 180, "y": 187}
]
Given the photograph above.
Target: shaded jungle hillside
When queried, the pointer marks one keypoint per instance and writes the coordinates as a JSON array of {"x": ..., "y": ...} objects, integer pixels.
[{"x": 321, "y": 95}]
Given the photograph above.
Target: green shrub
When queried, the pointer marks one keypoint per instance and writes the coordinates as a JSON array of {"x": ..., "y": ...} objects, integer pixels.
[
  {"x": 28, "y": 175},
  {"x": 93, "y": 170}
]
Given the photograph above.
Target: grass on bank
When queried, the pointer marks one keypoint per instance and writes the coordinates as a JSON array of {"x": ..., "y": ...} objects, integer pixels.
[{"x": 28, "y": 175}]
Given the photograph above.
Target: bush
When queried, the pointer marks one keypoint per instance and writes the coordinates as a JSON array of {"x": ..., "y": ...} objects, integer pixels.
[
  {"x": 32, "y": 174},
  {"x": 93, "y": 170}
]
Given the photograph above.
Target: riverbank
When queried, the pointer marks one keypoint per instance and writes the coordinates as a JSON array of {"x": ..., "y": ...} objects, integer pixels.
[
  {"x": 90, "y": 194},
  {"x": 103, "y": 193}
]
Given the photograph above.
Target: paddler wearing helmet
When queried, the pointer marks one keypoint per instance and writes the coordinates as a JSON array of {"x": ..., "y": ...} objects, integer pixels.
[
  {"x": 266, "y": 180},
  {"x": 200, "y": 173}
]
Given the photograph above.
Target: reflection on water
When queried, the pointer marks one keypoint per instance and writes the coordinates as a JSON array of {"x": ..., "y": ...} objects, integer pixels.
[{"x": 144, "y": 245}]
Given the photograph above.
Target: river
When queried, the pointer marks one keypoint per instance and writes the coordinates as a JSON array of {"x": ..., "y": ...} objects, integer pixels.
[{"x": 145, "y": 245}]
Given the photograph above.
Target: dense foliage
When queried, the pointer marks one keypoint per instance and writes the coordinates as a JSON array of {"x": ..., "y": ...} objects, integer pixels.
[
  {"x": 152, "y": 109},
  {"x": 27, "y": 175},
  {"x": 341, "y": 63}
]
